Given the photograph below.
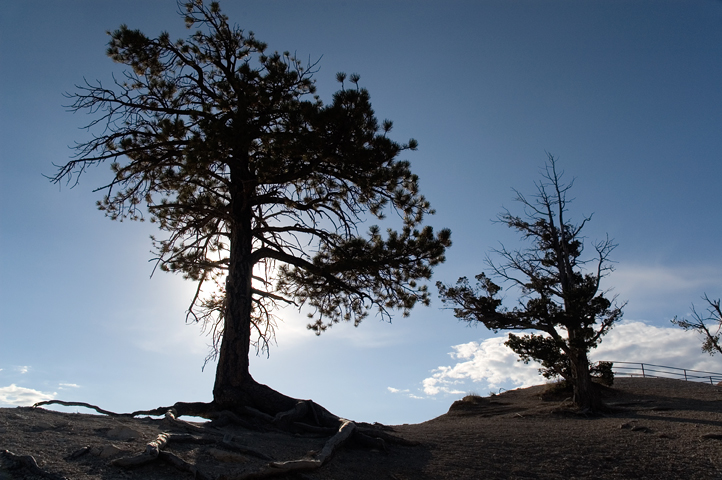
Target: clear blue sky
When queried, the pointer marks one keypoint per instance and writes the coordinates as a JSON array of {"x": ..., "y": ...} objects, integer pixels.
[{"x": 625, "y": 93}]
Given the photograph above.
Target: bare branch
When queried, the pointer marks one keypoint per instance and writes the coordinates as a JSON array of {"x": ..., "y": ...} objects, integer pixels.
[{"x": 709, "y": 325}]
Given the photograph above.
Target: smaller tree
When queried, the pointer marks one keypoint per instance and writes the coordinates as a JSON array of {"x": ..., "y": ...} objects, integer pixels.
[
  {"x": 709, "y": 325},
  {"x": 560, "y": 299}
]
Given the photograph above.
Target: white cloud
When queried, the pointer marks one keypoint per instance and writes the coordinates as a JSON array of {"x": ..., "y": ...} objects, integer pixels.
[
  {"x": 68, "y": 385},
  {"x": 493, "y": 365},
  {"x": 23, "y": 369},
  {"x": 670, "y": 346},
  {"x": 489, "y": 361},
  {"x": 406, "y": 393},
  {"x": 396, "y": 390},
  {"x": 20, "y": 396}
]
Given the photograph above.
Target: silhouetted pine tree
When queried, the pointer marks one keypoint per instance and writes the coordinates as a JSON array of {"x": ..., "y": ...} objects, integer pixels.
[
  {"x": 559, "y": 298},
  {"x": 260, "y": 187}
]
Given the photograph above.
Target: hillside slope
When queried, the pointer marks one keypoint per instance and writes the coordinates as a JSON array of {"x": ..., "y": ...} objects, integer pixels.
[{"x": 656, "y": 429}]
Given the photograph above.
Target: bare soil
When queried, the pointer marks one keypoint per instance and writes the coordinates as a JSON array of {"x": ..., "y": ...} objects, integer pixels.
[{"x": 655, "y": 429}]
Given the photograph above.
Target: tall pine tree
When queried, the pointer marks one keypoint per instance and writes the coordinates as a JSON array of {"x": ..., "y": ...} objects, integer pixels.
[{"x": 259, "y": 186}]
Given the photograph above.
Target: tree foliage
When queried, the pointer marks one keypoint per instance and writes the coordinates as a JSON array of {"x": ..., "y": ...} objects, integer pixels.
[
  {"x": 709, "y": 325},
  {"x": 560, "y": 296},
  {"x": 259, "y": 186}
]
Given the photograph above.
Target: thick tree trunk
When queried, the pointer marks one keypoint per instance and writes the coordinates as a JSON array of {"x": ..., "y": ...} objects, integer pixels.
[
  {"x": 234, "y": 387},
  {"x": 585, "y": 395},
  {"x": 232, "y": 375}
]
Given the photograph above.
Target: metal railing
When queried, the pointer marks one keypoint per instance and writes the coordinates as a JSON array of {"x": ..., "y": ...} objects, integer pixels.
[{"x": 634, "y": 369}]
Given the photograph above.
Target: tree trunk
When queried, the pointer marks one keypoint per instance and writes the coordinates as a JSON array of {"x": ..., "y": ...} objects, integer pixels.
[
  {"x": 234, "y": 387},
  {"x": 585, "y": 396}
]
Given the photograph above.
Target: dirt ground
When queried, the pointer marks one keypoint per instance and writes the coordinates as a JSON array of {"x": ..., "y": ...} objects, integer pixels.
[{"x": 656, "y": 429}]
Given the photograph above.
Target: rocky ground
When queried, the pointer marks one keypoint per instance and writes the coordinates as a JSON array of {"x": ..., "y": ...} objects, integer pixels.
[{"x": 656, "y": 429}]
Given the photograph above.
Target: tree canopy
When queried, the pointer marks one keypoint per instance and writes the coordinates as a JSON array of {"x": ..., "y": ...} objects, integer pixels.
[
  {"x": 709, "y": 325},
  {"x": 560, "y": 298},
  {"x": 259, "y": 186}
]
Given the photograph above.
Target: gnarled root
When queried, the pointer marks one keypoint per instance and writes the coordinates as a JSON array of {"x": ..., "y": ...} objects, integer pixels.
[
  {"x": 154, "y": 451},
  {"x": 29, "y": 463},
  {"x": 198, "y": 409},
  {"x": 305, "y": 416},
  {"x": 182, "y": 465},
  {"x": 274, "y": 469}
]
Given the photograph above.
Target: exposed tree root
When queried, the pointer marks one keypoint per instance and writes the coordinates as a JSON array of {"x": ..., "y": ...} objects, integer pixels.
[
  {"x": 171, "y": 419},
  {"x": 228, "y": 443},
  {"x": 197, "y": 409},
  {"x": 28, "y": 462},
  {"x": 79, "y": 452},
  {"x": 81, "y": 404},
  {"x": 225, "y": 417},
  {"x": 152, "y": 450},
  {"x": 274, "y": 469},
  {"x": 306, "y": 416},
  {"x": 183, "y": 466}
]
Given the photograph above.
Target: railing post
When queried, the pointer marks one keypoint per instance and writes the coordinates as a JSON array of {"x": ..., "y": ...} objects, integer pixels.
[
  {"x": 685, "y": 374},
  {"x": 642, "y": 369}
]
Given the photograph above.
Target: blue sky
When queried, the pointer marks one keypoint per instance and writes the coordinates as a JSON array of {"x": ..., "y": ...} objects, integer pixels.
[{"x": 625, "y": 93}]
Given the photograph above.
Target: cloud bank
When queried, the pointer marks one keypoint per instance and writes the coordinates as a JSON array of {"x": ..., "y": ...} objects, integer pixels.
[
  {"x": 20, "y": 396},
  {"x": 488, "y": 364}
]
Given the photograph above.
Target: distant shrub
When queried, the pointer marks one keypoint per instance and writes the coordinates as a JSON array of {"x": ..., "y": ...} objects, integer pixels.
[
  {"x": 472, "y": 397},
  {"x": 603, "y": 373},
  {"x": 558, "y": 388}
]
